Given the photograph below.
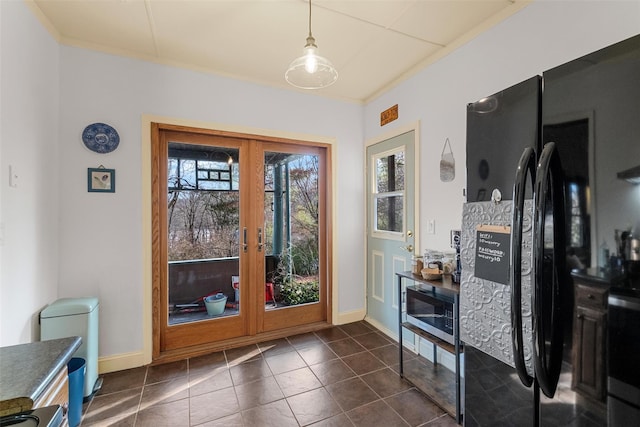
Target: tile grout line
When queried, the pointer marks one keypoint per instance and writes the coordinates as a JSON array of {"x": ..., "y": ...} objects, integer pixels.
[{"x": 319, "y": 342}]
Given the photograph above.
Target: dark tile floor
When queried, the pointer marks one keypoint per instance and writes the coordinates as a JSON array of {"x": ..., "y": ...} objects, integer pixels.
[{"x": 341, "y": 376}]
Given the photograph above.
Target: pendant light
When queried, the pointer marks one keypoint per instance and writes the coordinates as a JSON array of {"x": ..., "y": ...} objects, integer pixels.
[{"x": 311, "y": 71}]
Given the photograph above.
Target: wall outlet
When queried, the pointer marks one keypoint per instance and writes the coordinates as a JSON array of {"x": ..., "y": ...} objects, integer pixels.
[{"x": 431, "y": 226}]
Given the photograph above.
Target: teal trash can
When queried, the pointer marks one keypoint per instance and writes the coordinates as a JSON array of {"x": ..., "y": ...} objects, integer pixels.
[{"x": 76, "y": 368}]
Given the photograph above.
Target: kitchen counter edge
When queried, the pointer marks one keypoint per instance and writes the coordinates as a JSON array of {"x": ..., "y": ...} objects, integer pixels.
[{"x": 27, "y": 369}]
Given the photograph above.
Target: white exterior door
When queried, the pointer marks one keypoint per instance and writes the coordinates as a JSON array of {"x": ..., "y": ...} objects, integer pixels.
[{"x": 391, "y": 223}]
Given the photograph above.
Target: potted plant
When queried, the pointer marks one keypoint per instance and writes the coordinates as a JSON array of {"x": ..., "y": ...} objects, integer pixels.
[{"x": 293, "y": 289}]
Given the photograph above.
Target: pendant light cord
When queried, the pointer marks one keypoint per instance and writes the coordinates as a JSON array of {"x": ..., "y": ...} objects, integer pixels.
[{"x": 310, "y": 19}]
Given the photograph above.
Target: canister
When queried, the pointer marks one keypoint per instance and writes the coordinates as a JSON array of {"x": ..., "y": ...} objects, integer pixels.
[
  {"x": 433, "y": 259},
  {"x": 448, "y": 263},
  {"x": 417, "y": 264}
]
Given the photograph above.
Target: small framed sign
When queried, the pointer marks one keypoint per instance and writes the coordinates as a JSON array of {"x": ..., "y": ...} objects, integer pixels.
[
  {"x": 101, "y": 180},
  {"x": 389, "y": 115},
  {"x": 493, "y": 252}
]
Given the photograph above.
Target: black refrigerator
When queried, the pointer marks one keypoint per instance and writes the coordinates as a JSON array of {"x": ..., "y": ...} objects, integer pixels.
[{"x": 552, "y": 188}]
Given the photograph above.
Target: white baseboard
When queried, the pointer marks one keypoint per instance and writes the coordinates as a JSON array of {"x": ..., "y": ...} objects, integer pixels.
[
  {"x": 409, "y": 345},
  {"x": 121, "y": 362},
  {"x": 349, "y": 317},
  {"x": 136, "y": 359}
]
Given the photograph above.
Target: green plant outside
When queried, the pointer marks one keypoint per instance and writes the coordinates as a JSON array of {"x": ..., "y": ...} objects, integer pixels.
[{"x": 299, "y": 291}]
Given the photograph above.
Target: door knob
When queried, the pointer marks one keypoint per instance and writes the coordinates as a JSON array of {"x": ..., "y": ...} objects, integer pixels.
[{"x": 408, "y": 248}]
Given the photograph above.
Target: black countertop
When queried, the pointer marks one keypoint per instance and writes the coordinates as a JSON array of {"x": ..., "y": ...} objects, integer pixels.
[
  {"x": 27, "y": 369},
  {"x": 597, "y": 275}
]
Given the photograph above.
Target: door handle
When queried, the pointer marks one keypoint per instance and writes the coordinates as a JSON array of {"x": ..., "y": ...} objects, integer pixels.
[
  {"x": 259, "y": 239},
  {"x": 244, "y": 240},
  {"x": 408, "y": 248},
  {"x": 526, "y": 167},
  {"x": 549, "y": 186}
]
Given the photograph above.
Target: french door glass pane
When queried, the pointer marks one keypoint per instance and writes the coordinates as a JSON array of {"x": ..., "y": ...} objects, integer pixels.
[
  {"x": 203, "y": 232},
  {"x": 291, "y": 229}
]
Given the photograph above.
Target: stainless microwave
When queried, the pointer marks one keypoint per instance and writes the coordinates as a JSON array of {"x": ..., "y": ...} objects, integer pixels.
[{"x": 431, "y": 310}]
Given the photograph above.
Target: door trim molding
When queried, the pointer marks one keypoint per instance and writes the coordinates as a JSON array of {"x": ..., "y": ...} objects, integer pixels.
[{"x": 147, "y": 186}]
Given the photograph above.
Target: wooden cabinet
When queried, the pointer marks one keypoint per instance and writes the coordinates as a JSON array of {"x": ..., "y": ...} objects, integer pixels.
[
  {"x": 56, "y": 393},
  {"x": 589, "y": 339}
]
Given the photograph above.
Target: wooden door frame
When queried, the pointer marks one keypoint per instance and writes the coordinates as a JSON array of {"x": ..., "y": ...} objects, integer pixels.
[{"x": 155, "y": 260}]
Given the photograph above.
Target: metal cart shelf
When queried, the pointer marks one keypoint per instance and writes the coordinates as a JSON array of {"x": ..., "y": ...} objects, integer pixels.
[{"x": 456, "y": 349}]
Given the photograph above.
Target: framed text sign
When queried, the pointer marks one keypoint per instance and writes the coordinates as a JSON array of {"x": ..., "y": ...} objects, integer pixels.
[
  {"x": 493, "y": 253},
  {"x": 389, "y": 115}
]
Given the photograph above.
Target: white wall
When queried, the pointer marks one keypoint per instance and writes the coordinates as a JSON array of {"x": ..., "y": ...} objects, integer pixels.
[
  {"x": 29, "y": 135},
  {"x": 541, "y": 36},
  {"x": 101, "y": 235}
]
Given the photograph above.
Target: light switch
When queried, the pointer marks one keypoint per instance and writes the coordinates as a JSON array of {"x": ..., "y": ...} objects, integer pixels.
[
  {"x": 431, "y": 226},
  {"x": 13, "y": 176}
]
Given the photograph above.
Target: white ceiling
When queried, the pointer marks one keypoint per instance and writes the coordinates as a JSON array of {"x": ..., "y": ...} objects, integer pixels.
[{"x": 372, "y": 43}]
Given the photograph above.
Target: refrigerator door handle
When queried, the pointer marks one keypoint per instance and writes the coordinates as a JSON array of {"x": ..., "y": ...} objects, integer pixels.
[
  {"x": 526, "y": 168},
  {"x": 546, "y": 302}
]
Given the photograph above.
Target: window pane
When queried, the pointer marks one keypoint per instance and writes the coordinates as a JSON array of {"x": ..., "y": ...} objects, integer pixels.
[
  {"x": 203, "y": 229},
  {"x": 390, "y": 173},
  {"x": 291, "y": 228},
  {"x": 389, "y": 213}
]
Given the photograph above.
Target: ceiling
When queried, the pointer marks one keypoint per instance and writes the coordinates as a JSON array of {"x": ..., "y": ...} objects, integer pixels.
[{"x": 374, "y": 44}]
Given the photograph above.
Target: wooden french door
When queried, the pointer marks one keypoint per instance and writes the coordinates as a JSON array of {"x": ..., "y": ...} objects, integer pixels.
[{"x": 240, "y": 223}]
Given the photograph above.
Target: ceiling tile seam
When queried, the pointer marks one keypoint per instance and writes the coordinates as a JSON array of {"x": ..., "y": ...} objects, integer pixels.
[
  {"x": 513, "y": 8},
  {"x": 384, "y": 27},
  {"x": 400, "y": 15},
  {"x": 416, "y": 38},
  {"x": 393, "y": 20},
  {"x": 152, "y": 26},
  {"x": 353, "y": 58}
]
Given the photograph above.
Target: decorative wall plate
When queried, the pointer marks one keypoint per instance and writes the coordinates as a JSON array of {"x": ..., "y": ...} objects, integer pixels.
[{"x": 100, "y": 138}]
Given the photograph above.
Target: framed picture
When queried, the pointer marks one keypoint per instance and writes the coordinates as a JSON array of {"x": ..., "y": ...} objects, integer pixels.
[{"x": 101, "y": 180}]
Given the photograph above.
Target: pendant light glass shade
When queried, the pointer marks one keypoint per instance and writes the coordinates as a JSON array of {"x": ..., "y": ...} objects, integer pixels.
[{"x": 311, "y": 71}]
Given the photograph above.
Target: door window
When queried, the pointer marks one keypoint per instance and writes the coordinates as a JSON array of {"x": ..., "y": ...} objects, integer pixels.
[
  {"x": 292, "y": 228},
  {"x": 389, "y": 192},
  {"x": 203, "y": 220}
]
